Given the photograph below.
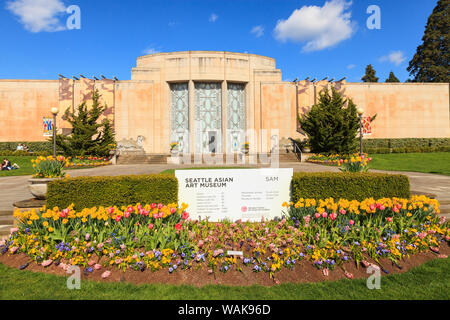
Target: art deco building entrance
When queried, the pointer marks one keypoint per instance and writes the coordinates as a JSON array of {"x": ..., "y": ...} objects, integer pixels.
[{"x": 208, "y": 128}]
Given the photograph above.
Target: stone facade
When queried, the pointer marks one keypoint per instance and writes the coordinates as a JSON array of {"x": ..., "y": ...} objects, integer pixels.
[{"x": 207, "y": 100}]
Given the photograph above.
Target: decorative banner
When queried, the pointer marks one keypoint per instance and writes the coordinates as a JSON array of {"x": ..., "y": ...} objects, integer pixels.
[
  {"x": 48, "y": 126},
  {"x": 247, "y": 194},
  {"x": 367, "y": 125}
]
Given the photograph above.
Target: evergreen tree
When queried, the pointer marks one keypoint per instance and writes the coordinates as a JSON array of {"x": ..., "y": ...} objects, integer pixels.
[
  {"x": 370, "y": 75},
  {"x": 392, "y": 78},
  {"x": 332, "y": 124},
  {"x": 89, "y": 136},
  {"x": 430, "y": 63}
]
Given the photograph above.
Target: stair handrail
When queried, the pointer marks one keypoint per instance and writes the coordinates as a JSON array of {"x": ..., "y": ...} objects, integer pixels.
[{"x": 296, "y": 149}]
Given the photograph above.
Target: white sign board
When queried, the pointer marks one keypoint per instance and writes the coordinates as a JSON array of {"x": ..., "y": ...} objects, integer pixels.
[{"x": 247, "y": 194}]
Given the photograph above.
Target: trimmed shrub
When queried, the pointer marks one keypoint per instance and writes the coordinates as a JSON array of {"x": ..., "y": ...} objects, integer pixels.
[
  {"x": 24, "y": 153},
  {"x": 88, "y": 192},
  {"x": 421, "y": 143},
  {"x": 35, "y": 146},
  {"x": 352, "y": 186}
]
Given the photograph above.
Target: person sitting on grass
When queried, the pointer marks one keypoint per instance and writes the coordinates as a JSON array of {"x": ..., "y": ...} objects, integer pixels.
[{"x": 6, "y": 164}]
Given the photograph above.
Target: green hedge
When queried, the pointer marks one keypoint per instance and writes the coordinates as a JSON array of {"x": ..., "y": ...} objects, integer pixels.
[
  {"x": 417, "y": 143},
  {"x": 88, "y": 192},
  {"x": 351, "y": 186},
  {"x": 35, "y": 146},
  {"x": 406, "y": 150},
  {"x": 24, "y": 153}
]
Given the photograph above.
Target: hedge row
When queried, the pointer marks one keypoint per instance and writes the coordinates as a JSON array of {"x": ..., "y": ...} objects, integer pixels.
[
  {"x": 406, "y": 150},
  {"x": 88, "y": 192},
  {"x": 351, "y": 186},
  {"x": 407, "y": 143},
  {"x": 35, "y": 146},
  {"x": 24, "y": 153}
]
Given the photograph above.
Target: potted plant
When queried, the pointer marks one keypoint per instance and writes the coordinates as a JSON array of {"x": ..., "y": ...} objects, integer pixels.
[
  {"x": 46, "y": 169},
  {"x": 174, "y": 148}
]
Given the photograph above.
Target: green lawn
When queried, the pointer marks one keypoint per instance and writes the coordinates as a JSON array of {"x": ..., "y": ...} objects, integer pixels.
[
  {"x": 437, "y": 162},
  {"x": 26, "y": 167},
  {"x": 428, "y": 281},
  {"x": 24, "y": 162}
]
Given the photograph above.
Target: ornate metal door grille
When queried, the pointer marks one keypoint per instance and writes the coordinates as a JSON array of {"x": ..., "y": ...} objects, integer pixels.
[
  {"x": 180, "y": 115},
  {"x": 235, "y": 115},
  {"x": 208, "y": 117}
]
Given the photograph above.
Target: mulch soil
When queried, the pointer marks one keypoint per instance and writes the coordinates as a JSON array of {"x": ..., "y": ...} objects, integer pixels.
[{"x": 198, "y": 276}]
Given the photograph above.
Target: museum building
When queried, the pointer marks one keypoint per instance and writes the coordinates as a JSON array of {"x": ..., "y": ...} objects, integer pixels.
[{"x": 215, "y": 101}]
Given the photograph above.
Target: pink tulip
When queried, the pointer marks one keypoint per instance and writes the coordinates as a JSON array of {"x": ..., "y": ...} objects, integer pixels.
[
  {"x": 126, "y": 214},
  {"x": 389, "y": 219},
  {"x": 173, "y": 210},
  {"x": 153, "y": 205},
  {"x": 324, "y": 214},
  {"x": 395, "y": 209},
  {"x": 150, "y": 226},
  {"x": 106, "y": 274},
  {"x": 91, "y": 262},
  {"x": 333, "y": 216},
  {"x": 139, "y": 207},
  {"x": 118, "y": 218},
  {"x": 97, "y": 266},
  {"x": 110, "y": 210},
  {"x": 382, "y": 207},
  {"x": 317, "y": 215},
  {"x": 342, "y": 211},
  {"x": 372, "y": 207},
  {"x": 130, "y": 209},
  {"x": 185, "y": 215},
  {"x": 13, "y": 230},
  {"x": 64, "y": 213},
  {"x": 351, "y": 222},
  {"x": 160, "y": 205}
]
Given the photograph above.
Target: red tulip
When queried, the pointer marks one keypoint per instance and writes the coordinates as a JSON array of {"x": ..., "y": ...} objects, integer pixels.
[
  {"x": 351, "y": 222},
  {"x": 118, "y": 218},
  {"x": 178, "y": 226},
  {"x": 110, "y": 210},
  {"x": 150, "y": 226},
  {"x": 389, "y": 219},
  {"x": 185, "y": 215}
]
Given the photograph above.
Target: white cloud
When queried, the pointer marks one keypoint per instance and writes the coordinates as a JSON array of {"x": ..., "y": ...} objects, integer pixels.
[
  {"x": 351, "y": 66},
  {"x": 395, "y": 57},
  {"x": 38, "y": 15},
  {"x": 150, "y": 51},
  {"x": 258, "y": 31},
  {"x": 319, "y": 27},
  {"x": 213, "y": 17}
]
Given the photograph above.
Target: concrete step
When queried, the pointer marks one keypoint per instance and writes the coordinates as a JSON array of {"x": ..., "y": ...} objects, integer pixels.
[
  {"x": 6, "y": 213},
  {"x": 6, "y": 220}
]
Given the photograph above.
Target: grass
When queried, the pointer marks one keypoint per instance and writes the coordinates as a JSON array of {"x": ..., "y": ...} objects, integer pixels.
[
  {"x": 172, "y": 171},
  {"x": 26, "y": 167},
  {"x": 24, "y": 162},
  {"x": 428, "y": 281},
  {"x": 437, "y": 162}
]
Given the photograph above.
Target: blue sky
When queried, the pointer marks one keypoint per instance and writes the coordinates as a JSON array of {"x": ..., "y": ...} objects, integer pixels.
[{"x": 322, "y": 38}]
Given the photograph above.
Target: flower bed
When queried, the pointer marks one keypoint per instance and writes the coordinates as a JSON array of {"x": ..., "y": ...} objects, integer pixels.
[
  {"x": 87, "y": 162},
  {"x": 337, "y": 160},
  {"x": 324, "y": 233}
]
